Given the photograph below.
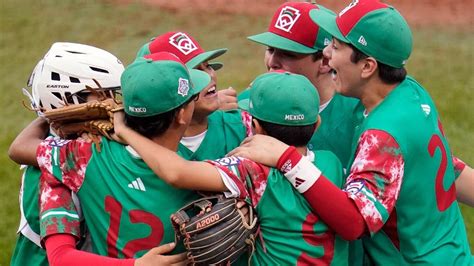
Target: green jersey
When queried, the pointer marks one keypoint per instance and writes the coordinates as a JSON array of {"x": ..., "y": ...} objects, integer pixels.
[
  {"x": 125, "y": 205},
  {"x": 291, "y": 233},
  {"x": 225, "y": 131},
  {"x": 337, "y": 128},
  {"x": 28, "y": 249},
  {"x": 402, "y": 180}
]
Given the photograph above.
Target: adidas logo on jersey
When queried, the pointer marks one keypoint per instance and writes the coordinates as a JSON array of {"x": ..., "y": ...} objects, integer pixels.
[
  {"x": 426, "y": 109},
  {"x": 137, "y": 184}
]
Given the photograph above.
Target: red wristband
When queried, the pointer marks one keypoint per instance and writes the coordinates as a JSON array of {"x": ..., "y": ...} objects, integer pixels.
[{"x": 288, "y": 159}]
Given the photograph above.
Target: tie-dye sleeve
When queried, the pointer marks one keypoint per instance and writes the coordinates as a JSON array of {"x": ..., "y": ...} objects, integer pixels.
[{"x": 375, "y": 177}]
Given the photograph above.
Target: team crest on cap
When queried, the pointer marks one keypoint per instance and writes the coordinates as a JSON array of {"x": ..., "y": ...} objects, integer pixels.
[
  {"x": 287, "y": 18},
  {"x": 347, "y": 8},
  {"x": 183, "y": 87},
  {"x": 183, "y": 43}
]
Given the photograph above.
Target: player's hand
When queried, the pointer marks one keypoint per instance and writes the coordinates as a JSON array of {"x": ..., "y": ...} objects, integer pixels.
[
  {"x": 119, "y": 127},
  {"x": 227, "y": 99},
  {"x": 244, "y": 209},
  {"x": 155, "y": 257},
  {"x": 261, "y": 149}
]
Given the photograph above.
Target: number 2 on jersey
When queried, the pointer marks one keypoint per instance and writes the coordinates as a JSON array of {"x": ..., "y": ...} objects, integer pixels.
[
  {"x": 444, "y": 198},
  {"x": 114, "y": 208}
]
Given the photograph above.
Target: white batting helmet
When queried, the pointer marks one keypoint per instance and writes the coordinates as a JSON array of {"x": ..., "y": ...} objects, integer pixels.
[{"x": 66, "y": 70}]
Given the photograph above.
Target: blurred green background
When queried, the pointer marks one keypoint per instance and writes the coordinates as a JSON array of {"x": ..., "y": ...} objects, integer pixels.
[{"x": 443, "y": 61}]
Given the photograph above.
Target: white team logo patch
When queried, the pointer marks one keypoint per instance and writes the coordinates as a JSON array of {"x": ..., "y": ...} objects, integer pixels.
[
  {"x": 183, "y": 87},
  {"x": 326, "y": 41},
  {"x": 58, "y": 142},
  {"x": 354, "y": 187},
  {"x": 228, "y": 161},
  {"x": 347, "y": 8},
  {"x": 183, "y": 43},
  {"x": 287, "y": 18}
]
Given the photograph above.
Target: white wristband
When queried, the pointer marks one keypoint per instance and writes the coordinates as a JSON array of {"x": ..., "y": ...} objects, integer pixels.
[{"x": 303, "y": 175}]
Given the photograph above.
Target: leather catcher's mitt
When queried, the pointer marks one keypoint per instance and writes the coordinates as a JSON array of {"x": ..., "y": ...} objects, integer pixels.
[
  {"x": 214, "y": 230},
  {"x": 95, "y": 117}
]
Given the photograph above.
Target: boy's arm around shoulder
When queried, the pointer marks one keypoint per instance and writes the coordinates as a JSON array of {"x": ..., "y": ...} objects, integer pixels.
[
  {"x": 23, "y": 148},
  {"x": 168, "y": 165}
]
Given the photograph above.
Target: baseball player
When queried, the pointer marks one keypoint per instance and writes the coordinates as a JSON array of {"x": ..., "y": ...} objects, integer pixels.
[
  {"x": 117, "y": 190},
  {"x": 49, "y": 91},
  {"x": 212, "y": 133},
  {"x": 400, "y": 194},
  {"x": 282, "y": 105},
  {"x": 190, "y": 52},
  {"x": 295, "y": 44}
]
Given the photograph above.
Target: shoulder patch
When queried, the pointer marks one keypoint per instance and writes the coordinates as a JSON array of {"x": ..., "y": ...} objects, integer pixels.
[{"x": 228, "y": 161}]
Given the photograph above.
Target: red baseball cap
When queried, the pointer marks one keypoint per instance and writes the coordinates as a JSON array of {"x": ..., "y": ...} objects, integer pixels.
[
  {"x": 292, "y": 29},
  {"x": 373, "y": 27},
  {"x": 183, "y": 46}
]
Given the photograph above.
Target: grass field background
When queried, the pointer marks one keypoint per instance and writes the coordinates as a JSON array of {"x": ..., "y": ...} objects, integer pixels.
[{"x": 443, "y": 61}]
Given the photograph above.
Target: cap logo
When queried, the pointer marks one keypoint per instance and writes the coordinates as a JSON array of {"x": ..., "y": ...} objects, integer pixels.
[
  {"x": 287, "y": 18},
  {"x": 294, "y": 117},
  {"x": 362, "y": 40},
  {"x": 351, "y": 5},
  {"x": 326, "y": 41},
  {"x": 183, "y": 87},
  {"x": 183, "y": 43}
]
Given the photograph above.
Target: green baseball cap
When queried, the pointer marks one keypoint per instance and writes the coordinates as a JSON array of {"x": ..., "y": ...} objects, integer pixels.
[
  {"x": 283, "y": 98},
  {"x": 183, "y": 46},
  {"x": 158, "y": 83},
  {"x": 291, "y": 29},
  {"x": 376, "y": 29}
]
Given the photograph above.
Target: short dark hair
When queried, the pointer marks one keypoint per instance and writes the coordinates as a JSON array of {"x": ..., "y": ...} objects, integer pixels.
[
  {"x": 156, "y": 125},
  {"x": 318, "y": 55},
  {"x": 297, "y": 136},
  {"x": 387, "y": 74}
]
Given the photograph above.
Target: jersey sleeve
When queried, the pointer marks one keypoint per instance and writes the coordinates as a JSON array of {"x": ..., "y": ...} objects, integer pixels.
[
  {"x": 63, "y": 164},
  {"x": 375, "y": 177},
  {"x": 249, "y": 177},
  {"x": 459, "y": 166},
  {"x": 66, "y": 160},
  {"x": 58, "y": 214},
  {"x": 247, "y": 121}
]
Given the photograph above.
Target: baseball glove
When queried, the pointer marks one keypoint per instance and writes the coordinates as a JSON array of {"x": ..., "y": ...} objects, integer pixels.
[
  {"x": 95, "y": 117},
  {"x": 214, "y": 230}
]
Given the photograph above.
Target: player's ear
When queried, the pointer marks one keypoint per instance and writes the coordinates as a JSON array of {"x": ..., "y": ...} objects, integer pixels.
[
  {"x": 258, "y": 129},
  {"x": 369, "y": 67},
  {"x": 318, "y": 123},
  {"x": 180, "y": 117}
]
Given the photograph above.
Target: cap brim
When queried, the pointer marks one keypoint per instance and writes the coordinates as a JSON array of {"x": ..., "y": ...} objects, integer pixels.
[
  {"x": 216, "y": 65},
  {"x": 199, "y": 79},
  {"x": 206, "y": 56},
  {"x": 327, "y": 21},
  {"x": 273, "y": 40},
  {"x": 244, "y": 104}
]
